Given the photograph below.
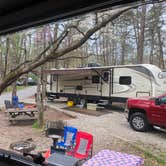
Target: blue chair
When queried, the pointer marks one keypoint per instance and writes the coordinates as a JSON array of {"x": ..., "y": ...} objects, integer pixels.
[
  {"x": 69, "y": 137},
  {"x": 16, "y": 103}
]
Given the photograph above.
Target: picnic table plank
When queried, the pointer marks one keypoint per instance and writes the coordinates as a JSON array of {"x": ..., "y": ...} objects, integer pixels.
[
  {"x": 22, "y": 118},
  {"x": 13, "y": 110}
]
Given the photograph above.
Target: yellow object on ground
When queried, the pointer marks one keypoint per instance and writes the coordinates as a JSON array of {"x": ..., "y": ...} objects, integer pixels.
[{"x": 70, "y": 103}]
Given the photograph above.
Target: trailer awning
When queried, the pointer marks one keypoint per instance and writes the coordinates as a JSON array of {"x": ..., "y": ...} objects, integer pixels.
[
  {"x": 20, "y": 14},
  {"x": 66, "y": 71},
  {"x": 74, "y": 71}
]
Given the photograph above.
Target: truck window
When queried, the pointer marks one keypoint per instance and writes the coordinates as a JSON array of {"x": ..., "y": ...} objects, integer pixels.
[
  {"x": 124, "y": 80},
  {"x": 95, "y": 79},
  {"x": 163, "y": 100}
]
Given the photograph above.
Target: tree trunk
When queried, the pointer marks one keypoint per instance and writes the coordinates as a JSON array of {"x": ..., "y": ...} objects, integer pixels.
[
  {"x": 141, "y": 37},
  {"x": 160, "y": 44},
  {"x": 96, "y": 36},
  {"x": 40, "y": 100},
  {"x": 14, "y": 89},
  {"x": 41, "y": 87},
  {"x": 6, "y": 55},
  {"x": 152, "y": 47},
  {"x": 123, "y": 47}
]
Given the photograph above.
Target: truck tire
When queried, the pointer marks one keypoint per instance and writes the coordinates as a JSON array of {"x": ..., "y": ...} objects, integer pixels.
[{"x": 138, "y": 122}]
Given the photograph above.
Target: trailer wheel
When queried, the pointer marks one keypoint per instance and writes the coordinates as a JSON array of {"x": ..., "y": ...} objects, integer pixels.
[
  {"x": 138, "y": 122},
  {"x": 83, "y": 102}
]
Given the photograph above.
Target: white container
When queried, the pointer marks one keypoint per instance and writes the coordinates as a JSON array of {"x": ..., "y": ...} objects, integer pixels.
[{"x": 91, "y": 106}]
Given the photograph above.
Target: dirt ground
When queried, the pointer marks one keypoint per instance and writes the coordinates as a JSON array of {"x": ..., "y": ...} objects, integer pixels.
[
  {"x": 88, "y": 112},
  {"x": 109, "y": 130},
  {"x": 53, "y": 115},
  {"x": 10, "y": 133}
]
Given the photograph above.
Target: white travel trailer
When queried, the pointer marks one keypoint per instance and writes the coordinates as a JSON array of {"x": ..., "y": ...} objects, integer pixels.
[{"x": 112, "y": 83}]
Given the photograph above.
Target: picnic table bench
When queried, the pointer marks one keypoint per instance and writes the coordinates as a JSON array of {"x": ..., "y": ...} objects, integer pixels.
[{"x": 16, "y": 114}]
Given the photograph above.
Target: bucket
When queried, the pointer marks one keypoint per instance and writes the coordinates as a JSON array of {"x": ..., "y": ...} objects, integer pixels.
[{"x": 70, "y": 103}]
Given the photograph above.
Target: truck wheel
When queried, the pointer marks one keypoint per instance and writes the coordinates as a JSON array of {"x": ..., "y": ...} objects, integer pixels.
[{"x": 139, "y": 122}]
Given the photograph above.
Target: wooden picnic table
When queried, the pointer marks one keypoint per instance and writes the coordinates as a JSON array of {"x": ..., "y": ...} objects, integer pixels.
[{"x": 21, "y": 114}]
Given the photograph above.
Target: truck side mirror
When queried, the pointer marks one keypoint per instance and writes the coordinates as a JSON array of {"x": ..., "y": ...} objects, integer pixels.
[{"x": 157, "y": 101}]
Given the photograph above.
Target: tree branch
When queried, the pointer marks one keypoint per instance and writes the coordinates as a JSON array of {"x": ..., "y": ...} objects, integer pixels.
[
  {"x": 55, "y": 52},
  {"x": 73, "y": 57},
  {"x": 55, "y": 42}
]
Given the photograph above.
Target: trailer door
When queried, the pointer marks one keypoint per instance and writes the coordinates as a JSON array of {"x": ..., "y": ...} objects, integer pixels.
[{"x": 105, "y": 83}]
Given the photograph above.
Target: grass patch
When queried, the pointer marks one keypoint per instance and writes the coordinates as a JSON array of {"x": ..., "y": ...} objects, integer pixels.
[
  {"x": 36, "y": 125},
  {"x": 9, "y": 88},
  {"x": 149, "y": 155},
  {"x": 151, "y": 151},
  {"x": 150, "y": 158},
  {"x": 163, "y": 155}
]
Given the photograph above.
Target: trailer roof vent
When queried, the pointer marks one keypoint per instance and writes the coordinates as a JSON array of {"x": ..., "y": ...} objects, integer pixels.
[{"x": 93, "y": 65}]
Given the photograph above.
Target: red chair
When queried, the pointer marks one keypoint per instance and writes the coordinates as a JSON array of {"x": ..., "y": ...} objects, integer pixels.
[
  {"x": 84, "y": 146},
  {"x": 47, "y": 154}
]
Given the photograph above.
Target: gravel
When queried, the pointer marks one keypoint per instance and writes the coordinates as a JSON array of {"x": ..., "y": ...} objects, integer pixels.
[
  {"x": 111, "y": 131},
  {"x": 114, "y": 124}
]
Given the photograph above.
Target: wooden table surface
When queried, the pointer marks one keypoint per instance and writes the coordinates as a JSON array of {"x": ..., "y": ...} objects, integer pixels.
[{"x": 15, "y": 110}]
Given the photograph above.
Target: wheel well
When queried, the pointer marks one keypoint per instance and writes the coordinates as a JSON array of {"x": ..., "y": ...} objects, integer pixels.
[{"x": 133, "y": 110}]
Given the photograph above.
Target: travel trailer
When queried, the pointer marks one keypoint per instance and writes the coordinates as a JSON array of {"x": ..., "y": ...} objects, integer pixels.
[{"x": 110, "y": 83}]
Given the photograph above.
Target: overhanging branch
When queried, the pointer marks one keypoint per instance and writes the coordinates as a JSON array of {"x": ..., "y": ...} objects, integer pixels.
[{"x": 55, "y": 53}]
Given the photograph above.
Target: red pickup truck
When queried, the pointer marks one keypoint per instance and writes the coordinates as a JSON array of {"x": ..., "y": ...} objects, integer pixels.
[{"x": 145, "y": 112}]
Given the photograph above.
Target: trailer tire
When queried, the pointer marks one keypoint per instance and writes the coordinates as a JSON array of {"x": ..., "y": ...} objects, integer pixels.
[
  {"x": 83, "y": 102},
  {"x": 138, "y": 122}
]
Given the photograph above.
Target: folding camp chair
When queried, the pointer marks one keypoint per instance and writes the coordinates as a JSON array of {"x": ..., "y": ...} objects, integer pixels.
[
  {"x": 84, "y": 146},
  {"x": 16, "y": 103},
  {"x": 69, "y": 137},
  {"x": 8, "y": 104}
]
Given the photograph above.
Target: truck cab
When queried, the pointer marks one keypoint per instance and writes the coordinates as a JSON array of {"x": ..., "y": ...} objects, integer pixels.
[{"x": 145, "y": 112}]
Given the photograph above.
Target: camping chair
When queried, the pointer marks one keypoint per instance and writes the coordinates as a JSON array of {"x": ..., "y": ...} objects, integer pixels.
[
  {"x": 16, "y": 103},
  {"x": 69, "y": 137},
  {"x": 84, "y": 146},
  {"x": 8, "y": 104}
]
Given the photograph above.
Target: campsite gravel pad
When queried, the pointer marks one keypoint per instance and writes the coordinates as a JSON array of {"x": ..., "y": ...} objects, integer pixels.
[
  {"x": 23, "y": 146},
  {"x": 88, "y": 112}
]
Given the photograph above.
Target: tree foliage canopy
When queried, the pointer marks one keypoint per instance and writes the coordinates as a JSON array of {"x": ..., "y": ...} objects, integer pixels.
[{"x": 102, "y": 37}]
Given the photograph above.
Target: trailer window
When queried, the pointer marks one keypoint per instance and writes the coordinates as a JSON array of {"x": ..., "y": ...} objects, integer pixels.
[
  {"x": 106, "y": 76},
  {"x": 125, "y": 80},
  {"x": 95, "y": 79},
  {"x": 79, "y": 87},
  {"x": 54, "y": 77}
]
